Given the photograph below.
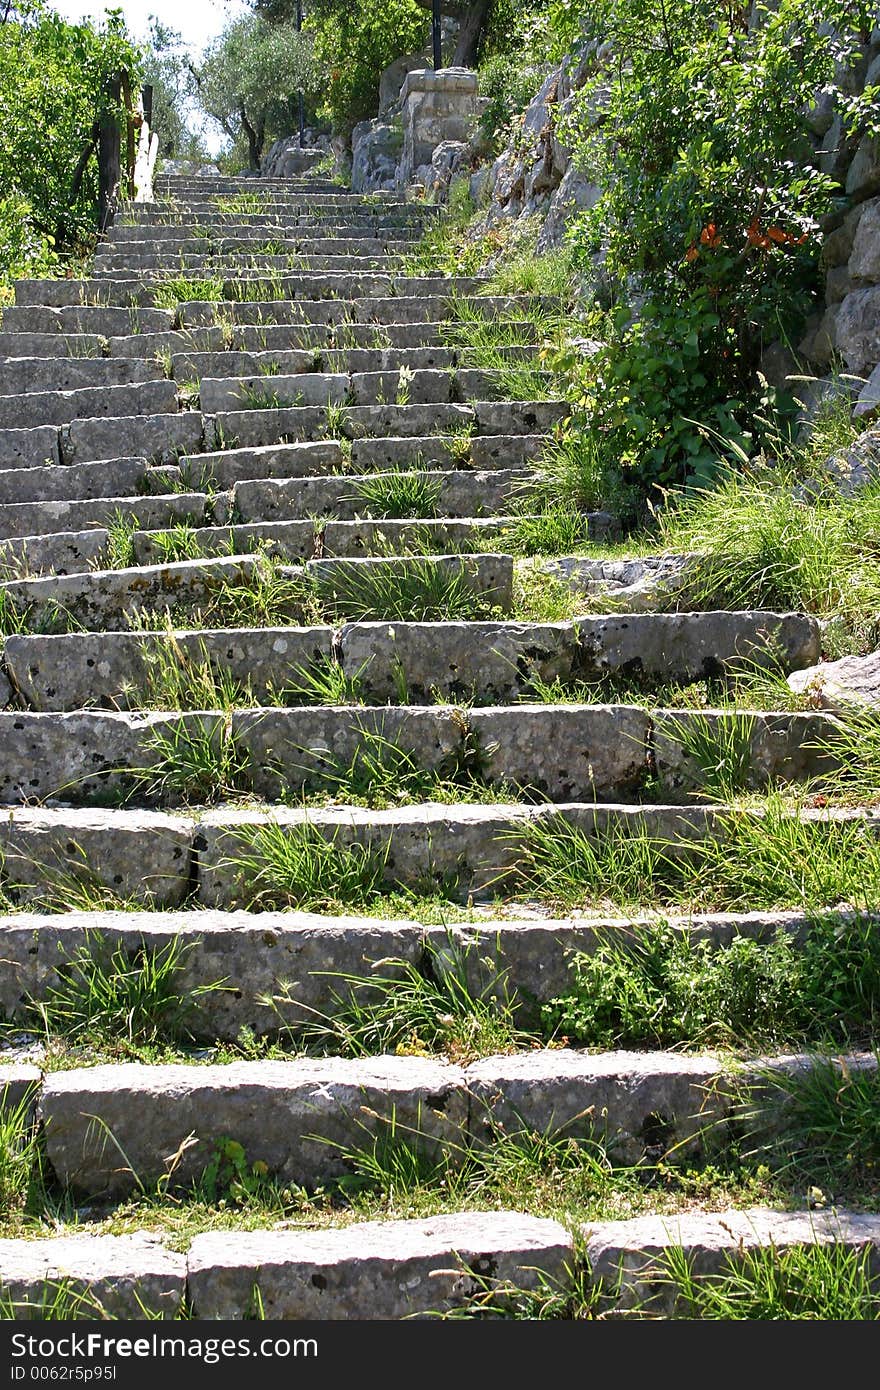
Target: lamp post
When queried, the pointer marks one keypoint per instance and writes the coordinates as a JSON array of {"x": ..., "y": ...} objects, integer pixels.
[
  {"x": 302, "y": 114},
  {"x": 437, "y": 35}
]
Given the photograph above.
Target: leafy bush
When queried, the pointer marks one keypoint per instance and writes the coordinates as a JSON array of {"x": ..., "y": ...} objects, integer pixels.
[
  {"x": 55, "y": 85},
  {"x": 709, "y": 219}
]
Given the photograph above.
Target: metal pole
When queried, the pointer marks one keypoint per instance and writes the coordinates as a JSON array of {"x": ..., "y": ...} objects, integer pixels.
[
  {"x": 437, "y": 35},
  {"x": 302, "y": 113}
]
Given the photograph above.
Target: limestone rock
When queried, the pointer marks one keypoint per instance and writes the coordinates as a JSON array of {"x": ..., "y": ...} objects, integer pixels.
[
  {"x": 838, "y": 685},
  {"x": 376, "y": 148},
  {"x": 864, "y": 262},
  {"x": 857, "y": 330}
]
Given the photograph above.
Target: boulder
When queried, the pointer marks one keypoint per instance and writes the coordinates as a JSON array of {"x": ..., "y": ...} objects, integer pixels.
[
  {"x": 857, "y": 330},
  {"x": 838, "y": 685},
  {"x": 575, "y": 193},
  {"x": 864, "y": 172},
  {"x": 864, "y": 261}
]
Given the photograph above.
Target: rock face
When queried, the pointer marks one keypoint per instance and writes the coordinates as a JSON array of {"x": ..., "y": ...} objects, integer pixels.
[{"x": 285, "y": 159}]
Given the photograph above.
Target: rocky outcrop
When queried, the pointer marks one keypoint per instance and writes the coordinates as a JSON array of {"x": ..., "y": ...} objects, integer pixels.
[
  {"x": 286, "y": 158},
  {"x": 376, "y": 149}
]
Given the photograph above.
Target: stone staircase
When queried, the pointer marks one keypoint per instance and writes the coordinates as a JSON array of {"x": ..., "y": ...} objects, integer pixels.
[{"x": 203, "y": 484}]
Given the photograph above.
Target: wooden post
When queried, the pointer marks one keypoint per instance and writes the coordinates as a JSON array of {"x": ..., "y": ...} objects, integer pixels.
[{"x": 109, "y": 157}]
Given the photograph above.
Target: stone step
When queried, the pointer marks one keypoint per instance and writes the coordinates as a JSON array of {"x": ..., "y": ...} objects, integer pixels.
[
  {"x": 256, "y": 954},
  {"x": 628, "y": 1261},
  {"x": 76, "y": 482},
  {"x": 139, "y": 292},
  {"x": 453, "y": 493},
  {"x": 159, "y": 438},
  {"x": 110, "y": 600},
  {"x": 245, "y": 428},
  {"x": 236, "y": 264},
  {"x": 27, "y": 375},
  {"x": 266, "y": 337},
  {"x": 67, "y": 346},
  {"x": 39, "y": 408},
  {"x": 297, "y": 541},
  {"x": 90, "y": 319},
  {"x": 378, "y": 309},
  {"x": 493, "y": 662},
  {"x": 234, "y": 240},
  {"x": 407, "y": 387},
  {"x": 389, "y": 1270},
  {"x": 298, "y": 1117},
  {"x": 29, "y": 521},
  {"x": 553, "y": 752},
  {"x": 29, "y": 448},
  {"x": 328, "y": 238},
  {"x": 447, "y": 1265}
]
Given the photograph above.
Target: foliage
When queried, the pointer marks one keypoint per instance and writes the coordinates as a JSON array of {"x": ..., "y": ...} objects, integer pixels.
[
  {"x": 169, "y": 71},
  {"x": 55, "y": 85},
  {"x": 353, "y": 46},
  {"x": 249, "y": 79},
  {"x": 708, "y": 219},
  {"x": 661, "y": 986}
]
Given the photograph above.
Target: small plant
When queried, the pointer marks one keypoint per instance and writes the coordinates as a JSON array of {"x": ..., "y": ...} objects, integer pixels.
[
  {"x": 196, "y": 762},
  {"x": 459, "y": 446},
  {"x": 720, "y": 747},
  {"x": 334, "y": 421},
  {"x": 820, "y": 1282},
  {"x": 109, "y": 994},
  {"x": 170, "y": 293},
  {"x": 175, "y": 679},
  {"x": 419, "y": 591},
  {"x": 324, "y": 682},
  {"x": 120, "y": 552},
  {"x": 432, "y": 1007},
  {"x": 180, "y": 542},
  {"x": 261, "y": 398},
  {"x": 20, "y": 1154},
  {"x": 397, "y": 494},
  {"x": 552, "y": 530}
]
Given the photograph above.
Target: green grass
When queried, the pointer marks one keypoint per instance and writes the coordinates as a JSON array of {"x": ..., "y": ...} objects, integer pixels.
[
  {"x": 299, "y": 867},
  {"x": 662, "y": 986},
  {"x": 193, "y": 762},
  {"x": 436, "y": 1006},
  {"x": 771, "y": 546},
  {"x": 552, "y": 529},
  {"x": 397, "y": 495},
  {"x": 121, "y": 530},
  {"x": 109, "y": 995},
  {"x": 811, "y": 1283},
  {"x": 718, "y": 748},
  {"x": 176, "y": 680},
  {"x": 418, "y": 590},
  {"x": 548, "y": 273},
  {"x": 181, "y": 289},
  {"x": 753, "y": 862},
  {"x": 180, "y": 542}
]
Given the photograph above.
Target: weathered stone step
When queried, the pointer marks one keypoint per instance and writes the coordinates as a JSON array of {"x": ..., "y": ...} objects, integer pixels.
[
  {"x": 31, "y": 410},
  {"x": 298, "y": 1117},
  {"x": 29, "y": 448},
  {"x": 289, "y": 284},
  {"x": 27, "y": 375},
  {"x": 90, "y": 319},
  {"x": 492, "y": 662},
  {"x": 464, "y": 851},
  {"x": 376, "y": 309},
  {"x": 296, "y": 541},
  {"x": 243, "y": 228},
  {"x": 410, "y": 387},
  {"x": 30, "y": 521},
  {"x": 74, "y": 482},
  {"x": 239, "y": 239},
  {"x": 388, "y": 1270},
  {"x": 289, "y": 424},
  {"x": 107, "y": 600},
  {"x": 453, "y": 493},
  {"x": 553, "y": 752},
  {"x": 255, "y": 954},
  {"x": 106, "y": 1277},
  {"x": 159, "y": 438},
  {"x": 236, "y": 264},
  {"x": 67, "y": 346}
]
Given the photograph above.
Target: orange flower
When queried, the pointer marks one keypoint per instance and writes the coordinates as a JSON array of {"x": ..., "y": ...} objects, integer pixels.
[
  {"x": 709, "y": 236},
  {"x": 692, "y": 253}
]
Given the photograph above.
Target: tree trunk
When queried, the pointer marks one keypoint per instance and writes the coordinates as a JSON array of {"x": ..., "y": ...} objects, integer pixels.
[
  {"x": 254, "y": 139},
  {"x": 473, "y": 22}
]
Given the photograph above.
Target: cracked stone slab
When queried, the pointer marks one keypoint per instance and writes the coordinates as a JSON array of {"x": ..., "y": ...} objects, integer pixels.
[
  {"x": 297, "y": 1117},
  {"x": 694, "y": 645},
  {"x": 381, "y": 1269},
  {"x": 135, "y": 855}
]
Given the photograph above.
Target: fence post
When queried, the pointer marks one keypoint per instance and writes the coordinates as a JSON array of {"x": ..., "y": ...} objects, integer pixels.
[{"x": 109, "y": 156}]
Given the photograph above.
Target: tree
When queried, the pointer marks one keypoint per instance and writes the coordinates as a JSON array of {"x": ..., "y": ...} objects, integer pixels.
[
  {"x": 472, "y": 18},
  {"x": 168, "y": 70},
  {"x": 249, "y": 79}
]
